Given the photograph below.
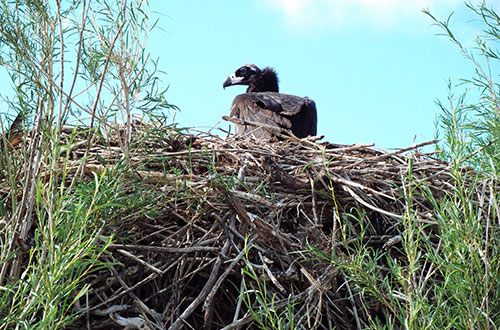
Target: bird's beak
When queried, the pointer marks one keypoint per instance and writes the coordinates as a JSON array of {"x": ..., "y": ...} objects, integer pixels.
[{"x": 231, "y": 80}]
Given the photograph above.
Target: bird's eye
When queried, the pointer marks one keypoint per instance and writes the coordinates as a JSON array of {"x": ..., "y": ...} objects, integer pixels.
[{"x": 243, "y": 71}]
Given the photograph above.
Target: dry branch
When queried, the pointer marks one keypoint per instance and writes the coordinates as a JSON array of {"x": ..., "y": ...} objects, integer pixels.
[{"x": 214, "y": 197}]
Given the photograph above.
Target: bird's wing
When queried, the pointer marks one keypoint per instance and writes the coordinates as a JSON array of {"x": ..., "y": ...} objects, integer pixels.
[
  {"x": 258, "y": 108},
  {"x": 284, "y": 104},
  {"x": 277, "y": 110},
  {"x": 300, "y": 111},
  {"x": 305, "y": 122}
]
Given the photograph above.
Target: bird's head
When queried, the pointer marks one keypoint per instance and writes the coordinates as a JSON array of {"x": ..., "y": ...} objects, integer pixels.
[
  {"x": 246, "y": 75},
  {"x": 257, "y": 80}
]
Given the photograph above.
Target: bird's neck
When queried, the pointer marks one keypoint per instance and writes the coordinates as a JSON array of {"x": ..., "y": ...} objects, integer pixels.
[{"x": 266, "y": 82}]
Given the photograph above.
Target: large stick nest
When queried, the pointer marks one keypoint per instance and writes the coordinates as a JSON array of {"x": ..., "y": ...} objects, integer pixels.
[{"x": 236, "y": 215}]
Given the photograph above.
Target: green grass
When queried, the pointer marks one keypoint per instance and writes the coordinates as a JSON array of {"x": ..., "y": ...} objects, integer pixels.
[
  {"x": 265, "y": 308},
  {"x": 448, "y": 280},
  {"x": 55, "y": 220}
]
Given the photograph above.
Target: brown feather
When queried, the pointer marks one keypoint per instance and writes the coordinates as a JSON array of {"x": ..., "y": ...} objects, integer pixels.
[{"x": 274, "y": 109}]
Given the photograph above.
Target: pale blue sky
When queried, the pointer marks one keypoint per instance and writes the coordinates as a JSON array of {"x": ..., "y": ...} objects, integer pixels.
[{"x": 374, "y": 68}]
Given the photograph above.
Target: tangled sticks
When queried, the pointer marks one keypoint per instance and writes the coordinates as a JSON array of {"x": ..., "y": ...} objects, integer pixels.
[{"x": 238, "y": 225}]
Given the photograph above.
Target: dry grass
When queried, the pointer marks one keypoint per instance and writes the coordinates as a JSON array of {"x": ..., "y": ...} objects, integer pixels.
[{"x": 232, "y": 215}]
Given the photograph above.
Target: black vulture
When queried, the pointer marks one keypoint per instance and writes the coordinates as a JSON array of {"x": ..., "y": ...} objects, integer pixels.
[{"x": 263, "y": 104}]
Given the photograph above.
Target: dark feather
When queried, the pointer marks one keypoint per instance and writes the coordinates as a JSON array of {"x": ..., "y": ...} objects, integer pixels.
[
  {"x": 15, "y": 133},
  {"x": 277, "y": 110}
]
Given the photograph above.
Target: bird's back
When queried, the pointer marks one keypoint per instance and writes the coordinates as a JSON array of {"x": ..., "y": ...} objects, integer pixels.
[{"x": 276, "y": 110}]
